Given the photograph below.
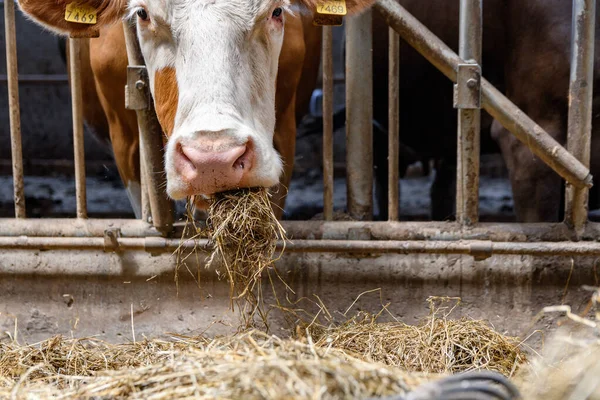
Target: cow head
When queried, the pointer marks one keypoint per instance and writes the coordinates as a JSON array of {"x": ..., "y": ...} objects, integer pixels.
[{"x": 213, "y": 67}]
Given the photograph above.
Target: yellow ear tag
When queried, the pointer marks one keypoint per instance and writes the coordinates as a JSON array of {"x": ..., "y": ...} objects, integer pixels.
[
  {"x": 332, "y": 7},
  {"x": 81, "y": 13}
]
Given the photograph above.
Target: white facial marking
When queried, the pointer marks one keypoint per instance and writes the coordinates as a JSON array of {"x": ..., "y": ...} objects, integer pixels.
[{"x": 225, "y": 54}]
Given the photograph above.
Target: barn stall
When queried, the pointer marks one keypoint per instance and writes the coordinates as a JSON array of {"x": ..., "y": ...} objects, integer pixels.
[{"x": 114, "y": 277}]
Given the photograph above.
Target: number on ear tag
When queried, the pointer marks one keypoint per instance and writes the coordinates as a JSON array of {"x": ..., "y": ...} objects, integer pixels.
[
  {"x": 81, "y": 13},
  {"x": 332, "y": 7}
]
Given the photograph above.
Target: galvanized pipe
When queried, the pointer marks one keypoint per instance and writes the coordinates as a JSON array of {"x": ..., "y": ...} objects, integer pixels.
[
  {"x": 393, "y": 125},
  {"x": 359, "y": 116},
  {"x": 580, "y": 105},
  {"x": 480, "y": 249},
  {"x": 13, "y": 107},
  {"x": 315, "y": 230},
  {"x": 494, "y": 102},
  {"x": 151, "y": 146},
  {"x": 469, "y": 120},
  {"x": 328, "y": 181},
  {"x": 77, "y": 107},
  {"x": 68, "y": 227}
]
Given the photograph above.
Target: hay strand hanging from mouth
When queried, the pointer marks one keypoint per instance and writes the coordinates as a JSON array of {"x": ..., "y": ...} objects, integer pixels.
[{"x": 244, "y": 232}]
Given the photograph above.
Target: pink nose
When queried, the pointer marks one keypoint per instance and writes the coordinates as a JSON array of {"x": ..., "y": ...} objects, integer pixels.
[{"x": 207, "y": 171}]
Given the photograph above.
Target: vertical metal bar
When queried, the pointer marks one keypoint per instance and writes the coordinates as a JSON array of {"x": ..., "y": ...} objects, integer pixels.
[
  {"x": 393, "y": 125},
  {"x": 151, "y": 147},
  {"x": 469, "y": 120},
  {"x": 133, "y": 57},
  {"x": 146, "y": 212},
  {"x": 14, "y": 110},
  {"x": 359, "y": 116},
  {"x": 580, "y": 105},
  {"x": 328, "y": 123},
  {"x": 77, "y": 110}
]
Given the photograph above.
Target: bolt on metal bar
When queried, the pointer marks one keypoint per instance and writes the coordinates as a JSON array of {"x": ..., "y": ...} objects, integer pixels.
[
  {"x": 151, "y": 146},
  {"x": 494, "y": 102},
  {"x": 580, "y": 105},
  {"x": 77, "y": 107},
  {"x": 469, "y": 119},
  {"x": 328, "y": 181},
  {"x": 359, "y": 116},
  {"x": 14, "y": 110},
  {"x": 393, "y": 125}
]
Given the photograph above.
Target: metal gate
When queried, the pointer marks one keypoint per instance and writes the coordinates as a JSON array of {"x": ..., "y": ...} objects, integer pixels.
[{"x": 156, "y": 232}]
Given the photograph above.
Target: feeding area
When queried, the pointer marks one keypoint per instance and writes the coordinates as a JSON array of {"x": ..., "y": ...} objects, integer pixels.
[{"x": 307, "y": 199}]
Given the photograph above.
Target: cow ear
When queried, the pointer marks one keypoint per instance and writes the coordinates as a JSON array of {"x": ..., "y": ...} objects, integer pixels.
[
  {"x": 77, "y": 18},
  {"x": 352, "y": 6}
]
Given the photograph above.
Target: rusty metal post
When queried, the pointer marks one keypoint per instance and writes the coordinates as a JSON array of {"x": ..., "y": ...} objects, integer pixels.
[
  {"x": 138, "y": 98},
  {"x": 467, "y": 99},
  {"x": 494, "y": 102},
  {"x": 14, "y": 110},
  {"x": 580, "y": 105},
  {"x": 393, "y": 125},
  {"x": 359, "y": 116},
  {"x": 328, "y": 182},
  {"x": 77, "y": 106}
]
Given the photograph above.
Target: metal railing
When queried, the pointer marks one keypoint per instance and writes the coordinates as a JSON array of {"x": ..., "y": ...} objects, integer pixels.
[{"x": 576, "y": 236}]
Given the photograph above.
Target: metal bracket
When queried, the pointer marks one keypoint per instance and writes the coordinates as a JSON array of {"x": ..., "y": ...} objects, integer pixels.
[
  {"x": 467, "y": 90},
  {"x": 111, "y": 242},
  {"x": 137, "y": 95}
]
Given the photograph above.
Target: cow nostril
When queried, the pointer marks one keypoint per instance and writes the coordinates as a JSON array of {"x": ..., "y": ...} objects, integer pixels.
[{"x": 245, "y": 160}]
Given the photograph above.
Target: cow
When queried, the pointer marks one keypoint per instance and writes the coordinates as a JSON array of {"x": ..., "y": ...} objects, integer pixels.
[
  {"x": 526, "y": 48},
  {"x": 226, "y": 81}
]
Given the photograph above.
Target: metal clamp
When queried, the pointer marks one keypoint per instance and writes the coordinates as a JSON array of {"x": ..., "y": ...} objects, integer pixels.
[
  {"x": 467, "y": 90},
  {"x": 137, "y": 95},
  {"x": 111, "y": 242}
]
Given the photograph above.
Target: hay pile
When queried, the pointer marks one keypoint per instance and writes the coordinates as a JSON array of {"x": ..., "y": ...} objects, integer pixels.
[
  {"x": 437, "y": 344},
  {"x": 251, "y": 365},
  {"x": 569, "y": 365}
]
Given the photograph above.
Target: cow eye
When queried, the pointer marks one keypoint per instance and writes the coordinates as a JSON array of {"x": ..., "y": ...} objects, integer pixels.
[
  {"x": 277, "y": 12},
  {"x": 142, "y": 14}
]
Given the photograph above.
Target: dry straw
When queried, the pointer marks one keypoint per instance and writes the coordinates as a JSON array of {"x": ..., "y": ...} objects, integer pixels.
[
  {"x": 252, "y": 365},
  {"x": 437, "y": 344},
  {"x": 243, "y": 232},
  {"x": 569, "y": 364}
]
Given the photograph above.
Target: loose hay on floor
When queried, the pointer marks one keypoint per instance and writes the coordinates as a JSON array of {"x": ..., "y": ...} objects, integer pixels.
[
  {"x": 437, "y": 344},
  {"x": 250, "y": 365}
]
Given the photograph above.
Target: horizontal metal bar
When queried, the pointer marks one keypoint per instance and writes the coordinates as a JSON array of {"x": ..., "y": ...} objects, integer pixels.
[
  {"x": 39, "y": 79},
  {"x": 70, "y": 227},
  {"x": 495, "y": 103},
  {"x": 478, "y": 248},
  {"x": 315, "y": 230}
]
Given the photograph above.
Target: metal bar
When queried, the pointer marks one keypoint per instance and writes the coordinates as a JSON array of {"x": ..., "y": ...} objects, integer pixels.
[
  {"x": 328, "y": 182},
  {"x": 580, "y": 104},
  {"x": 77, "y": 107},
  {"x": 494, "y": 102},
  {"x": 469, "y": 120},
  {"x": 151, "y": 147},
  {"x": 480, "y": 249},
  {"x": 38, "y": 79},
  {"x": 359, "y": 116},
  {"x": 393, "y": 125},
  {"x": 14, "y": 110},
  {"x": 68, "y": 227},
  {"x": 299, "y": 230}
]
